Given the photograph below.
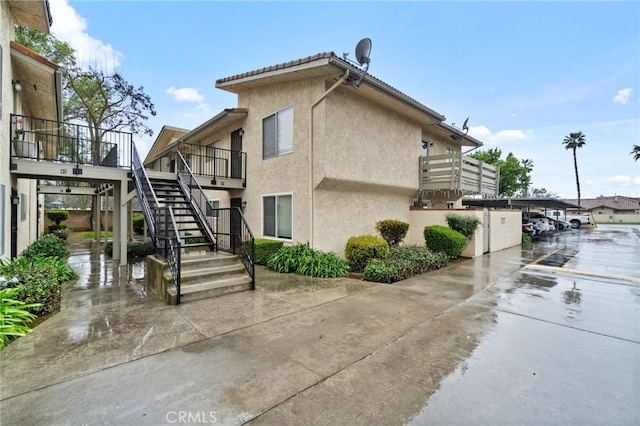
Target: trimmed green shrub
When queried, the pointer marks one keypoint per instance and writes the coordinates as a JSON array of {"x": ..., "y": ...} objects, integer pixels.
[
  {"x": 133, "y": 249},
  {"x": 57, "y": 216},
  {"x": 14, "y": 317},
  {"x": 442, "y": 239},
  {"x": 404, "y": 262},
  {"x": 466, "y": 225},
  {"x": 526, "y": 240},
  {"x": 302, "y": 259},
  {"x": 264, "y": 249},
  {"x": 47, "y": 246},
  {"x": 393, "y": 231},
  {"x": 138, "y": 223},
  {"x": 38, "y": 281},
  {"x": 361, "y": 249}
]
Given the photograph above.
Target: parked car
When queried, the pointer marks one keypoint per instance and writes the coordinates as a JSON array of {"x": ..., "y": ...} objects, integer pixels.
[
  {"x": 537, "y": 218},
  {"x": 562, "y": 225},
  {"x": 575, "y": 220},
  {"x": 527, "y": 228}
]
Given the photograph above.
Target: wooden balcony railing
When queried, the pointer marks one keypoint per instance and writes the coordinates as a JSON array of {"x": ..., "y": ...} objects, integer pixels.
[{"x": 455, "y": 171}]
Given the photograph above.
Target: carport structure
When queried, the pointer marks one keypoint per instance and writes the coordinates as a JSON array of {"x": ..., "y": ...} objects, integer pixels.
[{"x": 526, "y": 204}]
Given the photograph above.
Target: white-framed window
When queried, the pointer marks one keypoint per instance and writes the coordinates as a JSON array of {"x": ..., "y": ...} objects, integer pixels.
[
  {"x": 450, "y": 154},
  {"x": 277, "y": 133},
  {"x": 211, "y": 208},
  {"x": 277, "y": 216}
]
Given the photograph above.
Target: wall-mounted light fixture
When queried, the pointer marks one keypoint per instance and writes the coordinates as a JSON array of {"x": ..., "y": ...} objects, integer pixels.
[
  {"x": 244, "y": 204},
  {"x": 17, "y": 85},
  {"x": 241, "y": 132},
  {"x": 15, "y": 199}
]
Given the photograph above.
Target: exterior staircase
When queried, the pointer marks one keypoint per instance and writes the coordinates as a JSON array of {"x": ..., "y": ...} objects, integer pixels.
[
  {"x": 204, "y": 271},
  {"x": 192, "y": 232}
]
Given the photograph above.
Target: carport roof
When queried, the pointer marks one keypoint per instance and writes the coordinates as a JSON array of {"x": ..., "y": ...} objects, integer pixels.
[{"x": 520, "y": 203}]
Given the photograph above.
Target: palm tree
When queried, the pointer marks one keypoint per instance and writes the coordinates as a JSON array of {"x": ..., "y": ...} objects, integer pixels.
[
  {"x": 575, "y": 141},
  {"x": 635, "y": 152}
]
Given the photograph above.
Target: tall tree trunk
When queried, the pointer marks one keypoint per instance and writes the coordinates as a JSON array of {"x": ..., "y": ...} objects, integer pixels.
[{"x": 575, "y": 165}]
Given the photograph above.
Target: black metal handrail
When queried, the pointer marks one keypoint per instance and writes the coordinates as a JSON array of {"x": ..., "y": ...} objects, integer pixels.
[
  {"x": 195, "y": 195},
  {"x": 147, "y": 195},
  {"x": 234, "y": 235},
  {"x": 216, "y": 163},
  {"x": 169, "y": 246},
  {"x": 64, "y": 142}
]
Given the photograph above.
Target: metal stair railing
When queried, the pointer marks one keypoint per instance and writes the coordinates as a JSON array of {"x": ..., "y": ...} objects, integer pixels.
[
  {"x": 169, "y": 246},
  {"x": 195, "y": 195},
  {"x": 160, "y": 220},
  {"x": 227, "y": 228}
]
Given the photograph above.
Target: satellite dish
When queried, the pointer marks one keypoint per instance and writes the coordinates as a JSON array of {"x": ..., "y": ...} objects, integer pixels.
[
  {"x": 363, "y": 50},
  {"x": 465, "y": 127}
]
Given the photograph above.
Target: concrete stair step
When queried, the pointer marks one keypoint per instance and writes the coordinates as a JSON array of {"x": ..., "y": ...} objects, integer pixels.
[
  {"x": 210, "y": 274},
  {"x": 192, "y": 292}
]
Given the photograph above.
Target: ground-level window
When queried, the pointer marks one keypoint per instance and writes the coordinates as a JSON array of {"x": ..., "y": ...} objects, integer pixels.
[
  {"x": 277, "y": 215},
  {"x": 211, "y": 208},
  {"x": 277, "y": 134}
]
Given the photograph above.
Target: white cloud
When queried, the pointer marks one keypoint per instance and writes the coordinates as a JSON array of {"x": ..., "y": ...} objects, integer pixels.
[
  {"x": 70, "y": 27},
  {"x": 186, "y": 94},
  {"x": 623, "y": 96},
  {"x": 620, "y": 180},
  {"x": 483, "y": 134}
]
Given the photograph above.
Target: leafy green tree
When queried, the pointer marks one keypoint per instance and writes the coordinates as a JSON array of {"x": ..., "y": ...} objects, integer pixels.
[
  {"x": 56, "y": 51},
  {"x": 515, "y": 174},
  {"x": 573, "y": 142},
  {"x": 635, "y": 152}
]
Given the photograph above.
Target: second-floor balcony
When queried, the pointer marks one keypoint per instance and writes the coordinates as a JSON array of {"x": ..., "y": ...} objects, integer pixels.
[
  {"x": 455, "y": 171},
  {"x": 40, "y": 139},
  {"x": 214, "y": 167}
]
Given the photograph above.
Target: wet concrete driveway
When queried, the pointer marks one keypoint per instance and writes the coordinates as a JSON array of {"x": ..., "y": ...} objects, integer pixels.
[{"x": 549, "y": 335}]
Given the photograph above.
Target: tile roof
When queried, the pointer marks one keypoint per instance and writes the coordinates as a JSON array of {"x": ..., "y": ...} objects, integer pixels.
[
  {"x": 616, "y": 202},
  {"x": 333, "y": 57}
]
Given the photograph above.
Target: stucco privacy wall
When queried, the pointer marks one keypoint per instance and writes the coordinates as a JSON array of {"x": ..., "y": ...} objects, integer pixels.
[{"x": 505, "y": 228}]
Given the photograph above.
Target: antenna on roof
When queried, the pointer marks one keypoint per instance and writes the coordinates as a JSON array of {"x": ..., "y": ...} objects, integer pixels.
[
  {"x": 363, "y": 51},
  {"x": 465, "y": 126}
]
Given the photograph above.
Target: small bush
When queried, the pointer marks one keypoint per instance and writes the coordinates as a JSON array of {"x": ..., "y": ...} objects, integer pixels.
[
  {"x": 57, "y": 216},
  {"x": 47, "y": 246},
  {"x": 466, "y": 225},
  {"x": 264, "y": 249},
  {"x": 303, "y": 260},
  {"x": 38, "y": 281},
  {"x": 442, "y": 239},
  {"x": 393, "y": 231},
  {"x": 361, "y": 249},
  {"x": 526, "y": 240},
  {"x": 63, "y": 234},
  {"x": 14, "y": 317},
  {"x": 138, "y": 223},
  {"x": 404, "y": 262},
  {"x": 133, "y": 249}
]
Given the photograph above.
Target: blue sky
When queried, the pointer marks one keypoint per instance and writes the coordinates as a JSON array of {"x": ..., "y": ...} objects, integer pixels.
[{"x": 526, "y": 73}]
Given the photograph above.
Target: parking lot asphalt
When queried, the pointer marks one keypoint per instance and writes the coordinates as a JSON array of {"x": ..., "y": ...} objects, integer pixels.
[{"x": 506, "y": 338}]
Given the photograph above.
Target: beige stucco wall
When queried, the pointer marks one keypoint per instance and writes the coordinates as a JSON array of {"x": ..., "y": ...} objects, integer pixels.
[
  {"x": 6, "y": 35},
  {"x": 505, "y": 228},
  {"x": 608, "y": 215}
]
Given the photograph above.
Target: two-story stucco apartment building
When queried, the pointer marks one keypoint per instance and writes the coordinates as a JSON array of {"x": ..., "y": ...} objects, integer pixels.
[{"x": 310, "y": 157}]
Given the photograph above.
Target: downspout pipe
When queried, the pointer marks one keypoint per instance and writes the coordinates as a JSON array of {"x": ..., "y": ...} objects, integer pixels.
[{"x": 313, "y": 105}]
